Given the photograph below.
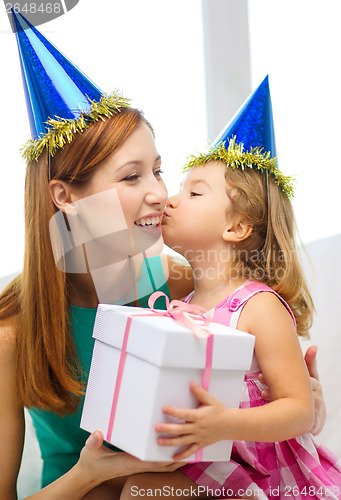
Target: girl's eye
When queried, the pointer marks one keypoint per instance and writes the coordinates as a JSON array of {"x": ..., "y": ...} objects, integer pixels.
[
  {"x": 158, "y": 172},
  {"x": 131, "y": 177},
  {"x": 195, "y": 194}
]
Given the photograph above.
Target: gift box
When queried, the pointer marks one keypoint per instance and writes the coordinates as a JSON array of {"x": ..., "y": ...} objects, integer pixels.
[{"x": 144, "y": 360}]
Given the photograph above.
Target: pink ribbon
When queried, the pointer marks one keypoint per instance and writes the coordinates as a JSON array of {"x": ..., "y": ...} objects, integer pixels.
[{"x": 179, "y": 311}]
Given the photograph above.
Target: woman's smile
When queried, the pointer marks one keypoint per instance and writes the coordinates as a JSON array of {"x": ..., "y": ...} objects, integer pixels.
[{"x": 150, "y": 223}]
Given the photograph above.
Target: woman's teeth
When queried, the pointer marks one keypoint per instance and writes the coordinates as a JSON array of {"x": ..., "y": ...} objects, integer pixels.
[{"x": 149, "y": 221}]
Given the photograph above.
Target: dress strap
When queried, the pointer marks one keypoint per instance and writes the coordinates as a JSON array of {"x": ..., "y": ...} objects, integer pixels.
[
  {"x": 229, "y": 310},
  {"x": 188, "y": 297}
]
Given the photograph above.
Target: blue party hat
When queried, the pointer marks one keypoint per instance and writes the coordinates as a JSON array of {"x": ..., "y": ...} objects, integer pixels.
[
  {"x": 253, "y": 123},
  {"x": 248, "y": 141},
  {"x": 60, "y": 99}
]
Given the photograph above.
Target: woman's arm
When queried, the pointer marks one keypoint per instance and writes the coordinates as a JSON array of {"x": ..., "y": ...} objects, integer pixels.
[
  {"x": 12, "y": 423},
  {"x": 280, "y": 357},
  {"x": 180, "y": 276},
  {"x": 74, "y": 484},
  {"x": 96, "y": 464},
  {"x": 320, "y": 410}
]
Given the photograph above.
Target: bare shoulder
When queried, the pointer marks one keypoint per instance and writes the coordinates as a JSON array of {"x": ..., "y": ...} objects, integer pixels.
[
  {"x": 264, "y": 309},
  {"x": 180, "y": 277},
  {"x": 8, "y": 337},
  {"x": 12, "y": 424},
  {"x": 8, "y": 357}
]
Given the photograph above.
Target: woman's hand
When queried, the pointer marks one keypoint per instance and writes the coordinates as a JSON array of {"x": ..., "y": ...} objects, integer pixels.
[
  {"x": 320, "y": 412},
  {"x": 98, "y": 462},
  {"x": 202, "y": 425}
]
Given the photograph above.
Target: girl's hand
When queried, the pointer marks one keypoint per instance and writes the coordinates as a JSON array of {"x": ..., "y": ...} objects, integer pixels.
[
  {"x": 99, "y": 464},
  {"x": 320, "y": 413},
  {"x": 202, "y": 425}
]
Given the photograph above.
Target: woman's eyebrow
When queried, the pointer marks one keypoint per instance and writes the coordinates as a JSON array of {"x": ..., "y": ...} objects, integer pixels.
[
  {"x": 137, "y": 162},
  {"x": 129, "y": 163}
]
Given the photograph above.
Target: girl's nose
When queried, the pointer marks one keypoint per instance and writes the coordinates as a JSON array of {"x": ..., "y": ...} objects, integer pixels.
[{"x": 173, "y": 201}]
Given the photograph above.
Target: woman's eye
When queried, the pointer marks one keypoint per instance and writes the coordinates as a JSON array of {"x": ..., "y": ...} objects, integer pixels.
[
  {"x": 158, "y": 172},
  {"x": 195, "y": 194},
  {"x": 131, "y": 177}
]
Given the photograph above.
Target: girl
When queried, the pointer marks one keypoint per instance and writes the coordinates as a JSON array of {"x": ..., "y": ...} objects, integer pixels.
[{"x": 234, "y": 222}]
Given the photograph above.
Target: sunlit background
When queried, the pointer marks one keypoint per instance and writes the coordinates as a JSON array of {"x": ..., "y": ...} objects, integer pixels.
[{"x": 157, "y": 53}]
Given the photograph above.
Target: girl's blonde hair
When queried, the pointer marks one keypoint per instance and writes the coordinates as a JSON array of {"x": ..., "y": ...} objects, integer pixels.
[
  {"x": 270, "y": 254},
  {"x": 48, "y": 372}
]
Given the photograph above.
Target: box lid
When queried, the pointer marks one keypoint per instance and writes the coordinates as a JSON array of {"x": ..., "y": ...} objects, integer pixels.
[{"x": 166, "y": 342}]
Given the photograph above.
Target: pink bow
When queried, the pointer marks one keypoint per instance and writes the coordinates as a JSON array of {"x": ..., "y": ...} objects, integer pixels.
[{"x": 179, "y": 311}]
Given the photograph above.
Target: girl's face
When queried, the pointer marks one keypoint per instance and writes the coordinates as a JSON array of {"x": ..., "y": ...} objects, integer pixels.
[
  {"x": 134, "y": 171},
  {"x": 196, "y": 218}
]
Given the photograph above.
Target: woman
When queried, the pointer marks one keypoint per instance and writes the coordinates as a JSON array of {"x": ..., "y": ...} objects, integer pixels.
[
  {"x": 93, "y": 144},
  {"x": 35, "y": 308}
]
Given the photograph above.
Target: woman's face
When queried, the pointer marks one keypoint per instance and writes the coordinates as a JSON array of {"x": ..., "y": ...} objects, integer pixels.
[{"x": 133, "y": 172}]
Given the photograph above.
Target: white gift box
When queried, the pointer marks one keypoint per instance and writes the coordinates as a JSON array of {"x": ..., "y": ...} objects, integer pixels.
[{"x": 162, "y": 359}]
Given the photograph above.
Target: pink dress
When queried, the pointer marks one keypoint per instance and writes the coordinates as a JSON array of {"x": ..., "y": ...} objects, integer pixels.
[{"x": 299, "y": 468}]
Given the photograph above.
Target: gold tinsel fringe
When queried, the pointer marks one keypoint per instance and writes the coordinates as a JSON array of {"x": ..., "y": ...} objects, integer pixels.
[
  {"x": 62, "y": 130},
  {"x": 236, "y": 157}
]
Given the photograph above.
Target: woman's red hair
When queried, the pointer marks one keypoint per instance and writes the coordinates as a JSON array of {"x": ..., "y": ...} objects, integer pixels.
[{"x": 48, "y": 372}]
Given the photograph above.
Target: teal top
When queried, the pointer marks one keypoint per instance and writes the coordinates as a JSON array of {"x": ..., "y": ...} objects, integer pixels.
[{"x": 61, "y": 438}]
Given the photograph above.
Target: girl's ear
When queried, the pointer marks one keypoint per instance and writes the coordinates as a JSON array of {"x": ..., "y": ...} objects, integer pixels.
[
  {"x": 237, "y": 231},
  {"x": 61, "y": 195}
]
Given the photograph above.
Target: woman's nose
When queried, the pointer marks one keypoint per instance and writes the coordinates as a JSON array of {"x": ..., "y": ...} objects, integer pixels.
[{"x": 157, "y": 193}]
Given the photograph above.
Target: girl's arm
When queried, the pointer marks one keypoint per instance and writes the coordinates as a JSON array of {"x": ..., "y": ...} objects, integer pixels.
[
  {"x": 96, "y": 464},
  {"x": 290, "y": 414},
  {"x": 180, "y": 276}
]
